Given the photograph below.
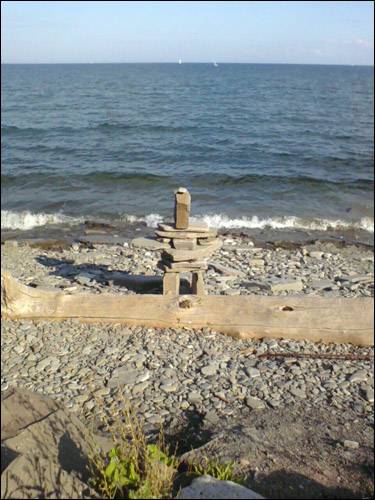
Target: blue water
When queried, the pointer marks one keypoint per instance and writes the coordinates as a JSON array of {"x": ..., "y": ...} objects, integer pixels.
[{"x": 256, "y": 145}]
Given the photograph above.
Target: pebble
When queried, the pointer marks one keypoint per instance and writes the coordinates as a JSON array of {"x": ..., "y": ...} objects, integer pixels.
[
  {"x": 166, "y": 372},
  {"x": 209, "y": 370},
  {"x": 353, "y": 445},
  {"x": 358, "y": 376},
  {"x": 255, "y": 403}
]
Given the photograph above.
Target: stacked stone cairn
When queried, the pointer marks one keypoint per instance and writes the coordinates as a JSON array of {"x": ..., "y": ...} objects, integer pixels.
[{"x": 190, "y": 245}]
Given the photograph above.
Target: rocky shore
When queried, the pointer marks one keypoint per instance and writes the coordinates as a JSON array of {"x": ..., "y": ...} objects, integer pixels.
[{"x": 170, "y": 376}]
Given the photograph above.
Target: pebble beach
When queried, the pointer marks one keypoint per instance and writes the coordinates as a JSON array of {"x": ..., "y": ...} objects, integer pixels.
[{"x": 164, "y": 373}]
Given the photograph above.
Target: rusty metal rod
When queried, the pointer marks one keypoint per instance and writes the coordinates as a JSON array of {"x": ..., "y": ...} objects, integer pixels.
[{"x": 317, "y": 356}]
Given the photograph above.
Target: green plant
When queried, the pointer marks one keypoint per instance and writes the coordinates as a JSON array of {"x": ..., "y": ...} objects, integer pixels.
[
  {"x": 132, "y": 468},
  {"x": 223, "y": 471}
]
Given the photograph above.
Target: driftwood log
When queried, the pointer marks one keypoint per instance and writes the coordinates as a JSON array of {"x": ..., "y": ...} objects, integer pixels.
[{"x": 341, "y": 320}]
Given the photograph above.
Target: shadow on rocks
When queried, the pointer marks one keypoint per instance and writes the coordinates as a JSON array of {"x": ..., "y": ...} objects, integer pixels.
[
  {"x": 102, "y": 275},
  {"x": 189, "y": 434},
  {"x": 285, "y": 484}
]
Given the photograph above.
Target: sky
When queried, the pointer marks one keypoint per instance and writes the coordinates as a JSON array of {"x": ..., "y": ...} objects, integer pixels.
[{"x": 239, "y": 32}]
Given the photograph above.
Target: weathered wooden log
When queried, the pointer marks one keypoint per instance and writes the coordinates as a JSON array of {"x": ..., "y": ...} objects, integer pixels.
[{"x": 316, "y": 319}]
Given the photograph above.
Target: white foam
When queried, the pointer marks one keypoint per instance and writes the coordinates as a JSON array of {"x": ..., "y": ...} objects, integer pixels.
[
  {"x": 255, "y": 222},
  {"x": 26, "y": 220},
  {"x": 152, "y": 220},
  {"x": 292, "y": 222}
]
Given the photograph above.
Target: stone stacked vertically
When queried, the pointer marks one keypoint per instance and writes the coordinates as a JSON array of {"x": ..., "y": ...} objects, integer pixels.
[{"x": 190, "y": 244}]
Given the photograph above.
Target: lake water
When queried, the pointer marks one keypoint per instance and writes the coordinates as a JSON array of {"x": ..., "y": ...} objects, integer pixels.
[{"x": 257, "y": 145}]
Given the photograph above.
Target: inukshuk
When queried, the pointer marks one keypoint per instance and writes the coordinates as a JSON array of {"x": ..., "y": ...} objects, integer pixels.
[{"x": 191, "y": 243}]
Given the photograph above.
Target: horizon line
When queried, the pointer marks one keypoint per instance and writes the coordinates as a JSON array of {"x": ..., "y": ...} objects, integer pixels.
[{"x": 190, "y": 62}]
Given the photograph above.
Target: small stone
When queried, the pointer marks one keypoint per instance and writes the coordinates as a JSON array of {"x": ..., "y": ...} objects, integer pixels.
[
  {"x": 274, "y": 402},
  {"x": 212, "y": 417},
  {"x": 351, "y": 444},
  {"x": 155, "y": 419},
  {"x": 169, "y": 388},
  {"x": 256, "y": 262},
  {"x": 139, "y": 388},
  {"x": 369, "y": 395},
  {"x": 194, "y": 397},
  {"x": 81, "y": 399},
  {"x": 102, "y": 392},
  {"x": 298, "y": 392},
  {"x": 254, "y": 403},
  {"x": 316, "y": 255},
  {"x": 358, "y": 376},
  {"x": 287, "y": 285},
  {"x": 143, "y": 377},
  {"x": 209, "y": 370},
  {"x": 252, "y": 372}
]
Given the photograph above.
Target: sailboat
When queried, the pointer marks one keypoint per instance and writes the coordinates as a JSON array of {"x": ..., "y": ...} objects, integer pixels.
[
  {"x": 215, "y": 64},
  {"x": 179, "y": 61}
]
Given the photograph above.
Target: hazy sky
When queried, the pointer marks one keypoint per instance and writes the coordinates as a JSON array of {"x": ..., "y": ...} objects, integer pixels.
[{"x": 245, "y": 32}]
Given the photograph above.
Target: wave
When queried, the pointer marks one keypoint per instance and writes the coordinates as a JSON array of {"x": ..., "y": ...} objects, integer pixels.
[
  {"x": 104, "y": 127},
  {"x": 207, "y": 179},
  {"x": 25, "y": 220},
  {"x": 286, "y": 222}
]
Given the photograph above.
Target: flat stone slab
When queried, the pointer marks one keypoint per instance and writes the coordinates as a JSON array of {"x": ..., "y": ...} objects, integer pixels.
[
  {"x": 123, "y": 376},
  {"x": 185, "y": 234},
  {"x": 226, "y": 271},
  {"x": 101, "y": 239},
  {"x": 321, "y": 284},
  {"x": 285, "y": 285},
  {"x": 184, "y": 267},
  {"x": 148, "y": 244},
  {"x": 208, "y": 487},
  {"x": 195, "y": 227},
  {"x": 188, "y": 255}
]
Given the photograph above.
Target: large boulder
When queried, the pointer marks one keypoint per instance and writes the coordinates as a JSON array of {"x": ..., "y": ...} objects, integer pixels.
[{"x": 43, "y": 449}]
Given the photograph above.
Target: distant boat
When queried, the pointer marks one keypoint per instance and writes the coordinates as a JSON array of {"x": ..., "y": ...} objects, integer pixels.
[
  {"x": 215, "y": 64},
  {"x": 179, "y": 61}
]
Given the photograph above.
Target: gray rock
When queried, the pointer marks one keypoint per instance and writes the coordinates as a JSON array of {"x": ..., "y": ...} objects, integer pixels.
[
  {"x": 253, "y": 372},
  {"x": 149, "y": 244},
  {"x": 225, "y": 270},
  {"x": 49, "y": 442},
  {"x": 194, "y": 397},
  {"x": 209, "y": 370},
  {"x": 316, "y": 254},
  {"x": 123, "y": 376},
  {"x": 103, "y": 239},
  {"x": 140, "y": 388},
  {"x": 208, "y": 487},
  {"x": 212, "y": 417},
  {"x": 287, "y": 285},
  {"x": 358, "y": 376},
  {"x": 298, "y": 392},
  {"x": 353, "y": 445},
  {"x": 369, "y": 395},
  {"x": 255, "y": 403},
  {"x": 321, "y": 285}
]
